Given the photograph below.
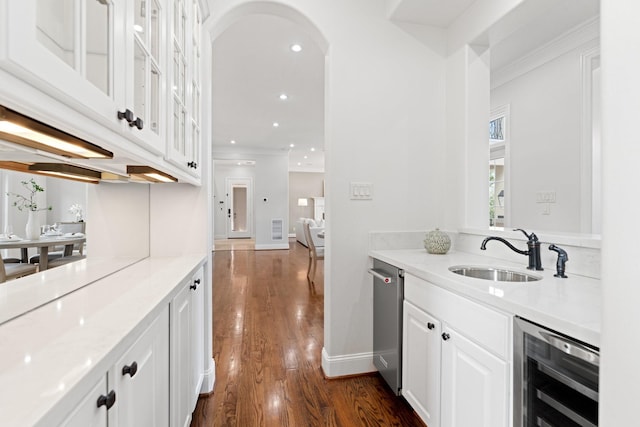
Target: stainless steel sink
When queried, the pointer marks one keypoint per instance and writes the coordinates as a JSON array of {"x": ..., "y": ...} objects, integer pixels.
[{"x": 495, "y": 274}]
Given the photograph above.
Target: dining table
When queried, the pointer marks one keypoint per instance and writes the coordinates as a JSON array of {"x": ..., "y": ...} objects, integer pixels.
[{"x": 43, "y": 243}]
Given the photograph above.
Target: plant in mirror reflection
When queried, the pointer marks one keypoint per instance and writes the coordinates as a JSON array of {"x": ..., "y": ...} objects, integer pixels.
[
  {"x": 76, "y": 209},
  {"x": 28, "y": 202}
]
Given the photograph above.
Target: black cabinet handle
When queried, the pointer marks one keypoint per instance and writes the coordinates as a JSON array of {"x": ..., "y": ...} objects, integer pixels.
[
  {"x": 197, "y": 281},
  {"x": 137, "y": 123},
  {"x": 131, "y": 118},
  {"x": 430, "y": 325},
  {"x": 130, "y": 369},
  {"x": 445, "y": 336},
  {"x": 194, "y": 287},
  {"x": 126, "y": 115},
  {"x": 109, "y": 400},
  {"x": 192, "y": 165}
]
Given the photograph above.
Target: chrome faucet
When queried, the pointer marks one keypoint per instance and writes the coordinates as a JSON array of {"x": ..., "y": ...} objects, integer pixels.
[{"x": 533, "y": 249}]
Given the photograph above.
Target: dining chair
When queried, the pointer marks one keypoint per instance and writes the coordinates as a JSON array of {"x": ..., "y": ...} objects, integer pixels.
[
  {"x": 315, "y": 254},
  {"x": 14, "y": 270}
]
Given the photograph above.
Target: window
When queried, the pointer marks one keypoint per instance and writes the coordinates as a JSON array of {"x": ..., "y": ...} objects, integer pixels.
[{"x": 498, "y": 138}]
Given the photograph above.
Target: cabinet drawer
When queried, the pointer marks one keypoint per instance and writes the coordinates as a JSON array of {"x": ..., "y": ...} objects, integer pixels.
[{"x": 485, "y": 326}]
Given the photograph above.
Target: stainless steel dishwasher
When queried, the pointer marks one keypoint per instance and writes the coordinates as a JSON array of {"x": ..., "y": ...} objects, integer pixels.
[{"x": 388, "y": 293}]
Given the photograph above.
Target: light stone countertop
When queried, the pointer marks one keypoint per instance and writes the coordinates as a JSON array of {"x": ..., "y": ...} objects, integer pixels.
[
  {"x": 571, "y": 306},
  {"x": 50, "y": 351}
]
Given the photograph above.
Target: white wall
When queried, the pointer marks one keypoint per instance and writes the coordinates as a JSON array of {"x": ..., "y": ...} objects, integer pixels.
[
  {"x": 619, "y": 378},
  {"x": 270, "y": 178},
  {"x": 384, "y": 125},
  {"x": 545, "y": 141},
  {"x": 303, "y": 185}
]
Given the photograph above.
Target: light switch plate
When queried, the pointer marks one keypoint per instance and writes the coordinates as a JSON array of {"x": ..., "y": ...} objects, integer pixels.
[
  {"x": 361, "y": 191},
  {"x": 546, "y": 197}
]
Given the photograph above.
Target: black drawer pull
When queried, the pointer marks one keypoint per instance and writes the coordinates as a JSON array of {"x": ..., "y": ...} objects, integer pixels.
[
  {"x": 430, "y": 325},
  {"x": 109, "y": 400},
  {"x": 130, "y": 369},
  {"x": 445, "y": 336}
]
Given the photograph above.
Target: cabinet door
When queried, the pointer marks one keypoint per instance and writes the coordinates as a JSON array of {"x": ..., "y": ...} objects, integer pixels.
[
  {"x": 183, "y": 142},
  {"x": 146, "y": 70},
  {"x": 474, "y": 384},
  {"x": 86, "y": 412},
  {"x": 197, "y": 329},
  {"x": 181, "y": 371},
  {"x": 421, "y": 363},
  {"x": 141, "y": 378},
  {"x": 66, "y": 49}
]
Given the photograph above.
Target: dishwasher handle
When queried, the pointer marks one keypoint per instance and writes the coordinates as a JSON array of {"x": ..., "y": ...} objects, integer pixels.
[{"x": 381, "y": 274}]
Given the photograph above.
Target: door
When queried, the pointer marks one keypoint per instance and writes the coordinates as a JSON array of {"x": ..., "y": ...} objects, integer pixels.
[
  {"x": 240, "y": 208},
  {"x": 87, "y": 412},
  {"x": 421, "y": 363},
  {"x": 474, "y": 384}
]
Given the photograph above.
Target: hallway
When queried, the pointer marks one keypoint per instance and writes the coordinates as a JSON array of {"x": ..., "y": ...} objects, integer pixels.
[{"x": 268, "y": 338}]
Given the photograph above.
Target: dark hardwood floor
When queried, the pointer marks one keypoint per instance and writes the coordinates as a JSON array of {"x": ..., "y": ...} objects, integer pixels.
[{"x": 268, "y": 337}]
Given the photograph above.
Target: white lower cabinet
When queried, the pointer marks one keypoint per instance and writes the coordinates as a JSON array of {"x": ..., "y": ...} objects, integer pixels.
[
  {"x": 421, "y": 363},
  {"x": 474, "y": 384},
  {"x": 456, "y": 358},
  {"x": 187, "y": 341},
  {"x": 87, "y": 412},
  {"x": 135, "y": 391},
  {"x": 141, "y": 377}
]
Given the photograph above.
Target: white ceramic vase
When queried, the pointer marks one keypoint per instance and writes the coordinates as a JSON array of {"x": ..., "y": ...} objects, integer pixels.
[
  {"x": 32, "y": 231},
  {"x": 437, "y": 242}
]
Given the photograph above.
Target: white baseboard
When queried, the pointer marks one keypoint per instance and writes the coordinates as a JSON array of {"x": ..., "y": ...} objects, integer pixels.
[
  {"x": 347, "y": 364},
  {"x": 209, "y": 379},
  {"x": 272, "y": 246}
]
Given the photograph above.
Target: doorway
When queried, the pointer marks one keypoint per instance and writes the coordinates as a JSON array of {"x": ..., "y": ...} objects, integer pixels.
[{"x": 240, "y": 208}]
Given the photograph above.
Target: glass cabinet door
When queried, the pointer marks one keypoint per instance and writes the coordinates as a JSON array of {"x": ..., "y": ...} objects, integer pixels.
[
  {"x": 147, "y": 69},
  {"x": 65, "y": 48}
]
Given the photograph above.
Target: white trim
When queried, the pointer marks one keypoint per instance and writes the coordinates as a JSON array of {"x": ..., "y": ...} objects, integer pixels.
[
  {"x": 347, "y": 364},
  {"x": 587, "y": 62},
  {"x": 572, "y": 39},
  {"x": 268, "y": 247},
  {"x": 209, "y": 379}
]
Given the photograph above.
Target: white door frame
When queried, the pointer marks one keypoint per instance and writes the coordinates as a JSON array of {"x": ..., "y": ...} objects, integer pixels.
[{"x": 248, "y": 184}]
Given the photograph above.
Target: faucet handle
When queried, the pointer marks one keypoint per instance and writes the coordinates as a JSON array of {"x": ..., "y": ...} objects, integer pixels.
[{"x": 532, "y": 237}]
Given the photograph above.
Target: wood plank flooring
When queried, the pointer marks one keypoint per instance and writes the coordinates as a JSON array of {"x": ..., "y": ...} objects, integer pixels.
[{"x": 268, "y": 337}]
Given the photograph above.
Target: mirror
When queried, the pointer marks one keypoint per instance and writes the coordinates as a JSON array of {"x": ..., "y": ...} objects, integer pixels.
[
  {"x": 545, "y": 120},
  {"x": 59, "y": 204}
]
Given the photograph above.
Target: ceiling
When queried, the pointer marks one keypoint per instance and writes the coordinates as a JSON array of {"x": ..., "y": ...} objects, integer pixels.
[
  {"x": 438, "y": 13},
  {"x": 252, "y": 66}
]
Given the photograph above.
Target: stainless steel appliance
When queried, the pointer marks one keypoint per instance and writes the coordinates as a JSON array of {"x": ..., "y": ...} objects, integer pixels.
[
  {"x": 388, "y": 293},
  {"x": 555, "y": 378}
]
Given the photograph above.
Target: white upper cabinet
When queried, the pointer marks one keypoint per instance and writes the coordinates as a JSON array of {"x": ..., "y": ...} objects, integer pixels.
[
  {"x": 183, "y": 143},
  {"x": 132, "y": 67},
  {"x": 68, "y": 49}
]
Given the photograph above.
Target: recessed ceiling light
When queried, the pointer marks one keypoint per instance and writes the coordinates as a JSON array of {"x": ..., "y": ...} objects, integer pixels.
[
  {"x": 233, "y": 141},
  {"x": 296, "y": 47},
  {"x": 276, "y": 124},
  {"x": 284, "y": 96},
  {"x": 292, "y": 145},
  {"x": 306, "y": 157},
  {"x": 313, "y": 149},
  {"x": 299, "y": 164}
]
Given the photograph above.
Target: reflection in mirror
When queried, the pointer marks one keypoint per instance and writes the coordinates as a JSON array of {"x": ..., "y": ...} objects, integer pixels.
[
  {"x": 68, "y": 202},
  {"x": 545, "y": 74}
]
